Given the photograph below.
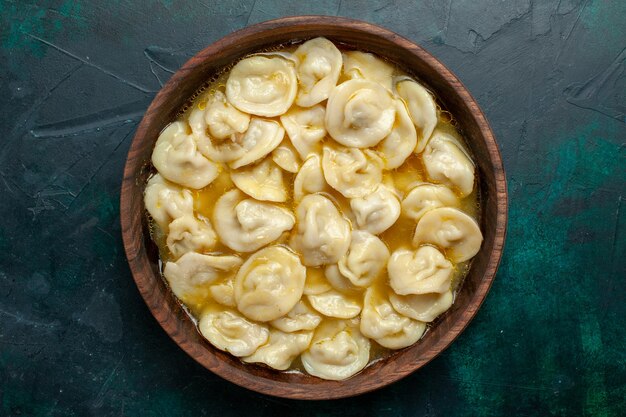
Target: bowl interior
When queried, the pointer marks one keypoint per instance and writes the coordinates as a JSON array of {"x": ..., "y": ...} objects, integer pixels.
[{"x": 143, "y": 255}]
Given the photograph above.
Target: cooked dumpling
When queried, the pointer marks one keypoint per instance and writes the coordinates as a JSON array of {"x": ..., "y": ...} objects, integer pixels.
[
  {"x": 377, "y": 211},
  {"x": 401, "y": 142},
  {"x": 222, "y": 119},
  {"x": 261, "y": 138},
  {"x": 353, "y": 172},
  {"x": 422, "y": 271},
  {"x": 446, "y": 162},
  {"x": 262, "y": 85},
  {"x": 310, "y": 179},
  {"x": 176, "y": 157},
  {"x": 229, "y": 331},
  {"x": 382, "y": 323},
  {"x": 452, "y": 230},
  {"x": 263, "y": 181},
  {"x": 305, "y": 128},
  {"x": 190, "y": 276},
  {"x": 338, "y": 350},
  {"x": 422, "y": 307},
  {"x": 286, "y": 157},
  {"x": 323, "y": 234},
  {"x": 301, "y": 317},
  {"x": 224, "y": 292},
  {"x": 365, "y": 260},
  {"x": 218, "y": 150},
  {"x": 335, "y": 304},
  {"x": 245, "y": 225},
  {"x": 166, "y": 201},
  {"x": 422, "y": 109},
  {"x": 281, "y": 349},
  {"x": 363, "y": 65},
  {"x": 269, "y": 284},
  {"x": 339, "y": 281},
  {"x": 316, "y": 282},
  {"x": 189, "y": 234},
  {"x": 425, "y": 197},
  {"x": 318, "y": 70},
  {"x": 360, "y": 113}
]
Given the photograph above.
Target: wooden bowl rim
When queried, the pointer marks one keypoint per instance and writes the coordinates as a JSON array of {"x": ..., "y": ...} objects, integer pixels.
[{"x": 321, "y": 389}]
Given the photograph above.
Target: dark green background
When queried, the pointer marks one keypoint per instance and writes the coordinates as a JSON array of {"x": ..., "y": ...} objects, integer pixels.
[{"x": 77, "y": 339}]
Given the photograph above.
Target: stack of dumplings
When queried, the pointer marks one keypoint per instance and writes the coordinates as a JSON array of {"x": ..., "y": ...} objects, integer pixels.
[{"x": 313, "y": 208}]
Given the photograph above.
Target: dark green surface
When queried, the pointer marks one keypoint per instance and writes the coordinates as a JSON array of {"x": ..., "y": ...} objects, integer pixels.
[{"x": 75, "y": 336}]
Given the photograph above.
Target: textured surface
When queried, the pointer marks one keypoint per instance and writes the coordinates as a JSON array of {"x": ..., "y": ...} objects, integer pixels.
[{"x": 75, "y": 336}]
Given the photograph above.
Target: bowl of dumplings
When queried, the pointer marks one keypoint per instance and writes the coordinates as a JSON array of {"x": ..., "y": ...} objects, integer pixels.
[{"x": 313, "y": 207}]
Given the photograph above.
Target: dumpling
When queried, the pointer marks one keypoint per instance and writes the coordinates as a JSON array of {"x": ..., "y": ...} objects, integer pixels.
[
  {"x": 335, "y": 304},
  {"x": 401, "y": 142},
  {"x": 176, "y": 157},
  {"x": 281, "y": 349},
  {"x": 379, "y": 321},
  {"x": 191, "y": 276},
  {"x": 166, "y": 201},
  {"x": 452, "y": 230},
  {"x": 263, "y": 181},
  {"x": 316, "y": 282},
  {"x": 422, "y": 307},
  {"x": 353, "y": 172},
  {"x": 422, "y": 271},
  {"x": 446, "y": 162},
  {"x": 269, "y": 284},
  {"x": 323, "y": 234},
  {"x": 218, "y": 150},
  {"x": 189, "y": 234},
  {"x": 261, "y": 138},
  {"x": 229, "y": 331},
  {"x": 262, "y": 85},
  {"x": 305, "y": 128},
  {"x": 338, "y": 350},
  {"x": 363, "y": 65},
  {"x": 310, "y": 179},
  {"x": 422, "y": 108},
  {"x": 360, "y": 113},
  {"x": 377, "y": 211},
  {"x": 301, "y": 317},
  {"x": 318, "y": 70},
  {"x": 224, "y": 292},
  {"x": 286, "y": 157},
  {"x": 338, "y": 281},
  {"x": 365, "y": 260},
  {"x": 425, "y": 197},
  {"x": 222, "y": 119},
  {"x": 245, "y": 225}
]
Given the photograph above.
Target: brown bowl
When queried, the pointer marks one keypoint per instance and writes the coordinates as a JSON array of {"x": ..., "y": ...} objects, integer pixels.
[{"x": 143, "y": 256}]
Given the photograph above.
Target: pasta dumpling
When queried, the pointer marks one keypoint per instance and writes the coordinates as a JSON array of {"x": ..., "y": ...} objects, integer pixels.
[
  {"x": 377, "y": 211},
  {"x": 363, "y": 65},
  {"x": 422, "y": 271},
  {"x": 191, "y": 276},
  {"x": 269, "y": 284},
  {"x": 338, "y": 350},
  {"x": 335, "y": 304},
  {"x": 229, "y": 331},
  {"x": 305, "y": 128},
  {"x": 218, "y": 150},
  {"x": 177, "y": 158},
  {"x": 189, "y": 234},
  {"x": 365, "y": 260},
  {"x": 301, "y": 317},
  {"x": 323, "y": 234},
  {"x": 261, "y": 138},
  {"x": 263, "y": 181},
  {"x": 401, "y": 142},
  {"x": 224, "y": 292},
  {"x": 425, "y": 197},
  {"x": 222, "y": 119},
  {"x": 422, "y": 108},
  {"x": 352, "y": 172},
  {"x": 245, "y": 225},
  {"x": 422, "y": 307},
  {"x": 318, "y": 70},
  {"x": 166, "y": 201},
  {"x": 286, "y": 157},
  {"x": 310, "y": 179},
  {"x": 446, "y": 162},
  {"x": 316, "y": 282},
  {"x": 262, "y": 85},
  {"x": 452, "y": 230},
  {"x": 360, "y": 113},
  {"x": 379, "y": 321},
  {"x": 281, "y": 349}
]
